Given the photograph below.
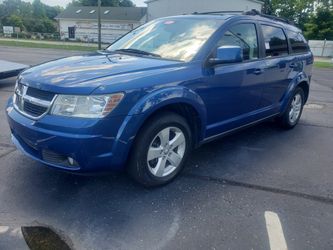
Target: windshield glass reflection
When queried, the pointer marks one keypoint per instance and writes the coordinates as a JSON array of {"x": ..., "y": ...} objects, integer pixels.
[{"x": 175, "y": 39}]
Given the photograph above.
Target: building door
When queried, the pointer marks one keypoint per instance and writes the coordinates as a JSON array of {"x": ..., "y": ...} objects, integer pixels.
[{"x": 71, "y": 32}]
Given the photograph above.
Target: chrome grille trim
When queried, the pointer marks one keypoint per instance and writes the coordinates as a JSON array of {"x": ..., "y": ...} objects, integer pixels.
[
  {"x": 21, "y": 98},
  {"x": 36, "y": 101}
]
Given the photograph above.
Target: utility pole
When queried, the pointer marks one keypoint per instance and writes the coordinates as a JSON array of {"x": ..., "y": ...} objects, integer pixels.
[{"x": 99, "y": 2}]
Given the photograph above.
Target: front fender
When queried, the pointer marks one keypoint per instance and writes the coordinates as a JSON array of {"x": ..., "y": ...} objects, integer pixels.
[
  {"x": 148, "y": 105},
  {"x": 166, "y": 96}
]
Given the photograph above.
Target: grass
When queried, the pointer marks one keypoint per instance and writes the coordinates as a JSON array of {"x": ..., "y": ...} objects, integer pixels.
[
  {"x": 324, "y": 65},
  {"x": 47, "y": 45}
]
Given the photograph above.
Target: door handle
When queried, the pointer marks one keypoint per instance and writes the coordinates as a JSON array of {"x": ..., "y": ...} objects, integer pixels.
[{"x": 258, "y": 71}]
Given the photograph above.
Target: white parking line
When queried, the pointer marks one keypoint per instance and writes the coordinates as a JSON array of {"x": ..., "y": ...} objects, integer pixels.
[
  {"x": 275, "y": 231},
  {"x": 3, "y": 229}
]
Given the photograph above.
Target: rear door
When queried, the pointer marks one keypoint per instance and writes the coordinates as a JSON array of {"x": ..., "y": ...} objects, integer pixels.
[
  {"x": 302, "y": 57},
  {"x": 279, "y": 65}
]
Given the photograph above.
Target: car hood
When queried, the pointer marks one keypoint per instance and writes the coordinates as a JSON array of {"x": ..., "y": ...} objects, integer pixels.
[{"x": 83, "y": 74}]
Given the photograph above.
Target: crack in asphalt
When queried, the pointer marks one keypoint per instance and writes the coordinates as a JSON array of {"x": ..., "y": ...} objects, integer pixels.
[
  {"x": 320, "y": 80},
  {"x": 8, "y": 152},
  {"x": 6, "y": 145},
  {"x": 224, "y": 181},
  {"x": 315, "y": 125},
  {"x": 317, "y": 101},
  {"x": 229, "y": 182}
]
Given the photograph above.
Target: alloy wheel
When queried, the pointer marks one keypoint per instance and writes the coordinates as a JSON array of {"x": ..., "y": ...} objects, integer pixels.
[
  {"x": 296, "y": 108},
  {"x": 166, "y": 152}
]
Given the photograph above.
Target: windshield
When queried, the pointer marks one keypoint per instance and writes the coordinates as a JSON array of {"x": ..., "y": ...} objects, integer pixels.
[{"x": 175, "y": 39}]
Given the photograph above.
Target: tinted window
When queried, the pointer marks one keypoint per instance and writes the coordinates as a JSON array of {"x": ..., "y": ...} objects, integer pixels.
[
  {"x": 298, "y": 42},
  {"x": 275, "y": 41},
  {"x": 245, "y": 36}
]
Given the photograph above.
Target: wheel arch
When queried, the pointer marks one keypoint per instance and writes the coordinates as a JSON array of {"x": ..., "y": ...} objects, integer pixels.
[
  {"x": 188, "y": 112},
  {"x": 305, "y": 86},
  {"x": 180, "y": 100},
  {"x": 302, "y": 81}
]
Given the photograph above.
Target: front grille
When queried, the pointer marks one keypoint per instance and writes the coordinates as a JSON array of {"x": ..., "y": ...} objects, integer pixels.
[
  {"x": 33, "y": 110},
  {"x": 40, "y": 94},
  {"x": 32, "y": 102}
]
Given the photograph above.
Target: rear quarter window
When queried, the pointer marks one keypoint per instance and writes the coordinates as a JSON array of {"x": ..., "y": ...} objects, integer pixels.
[
  {"x": 275, "y": 41},
  {"x": 297, "y": 42}
]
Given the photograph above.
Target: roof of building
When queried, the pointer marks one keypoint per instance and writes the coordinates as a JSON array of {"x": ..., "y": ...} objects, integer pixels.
[{"x": 107, "y": 13}]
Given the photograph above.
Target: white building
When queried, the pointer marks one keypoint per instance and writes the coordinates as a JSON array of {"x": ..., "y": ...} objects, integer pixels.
[
  {"x": 162, "y": 8},
  {"x": 80, "y": 23}
]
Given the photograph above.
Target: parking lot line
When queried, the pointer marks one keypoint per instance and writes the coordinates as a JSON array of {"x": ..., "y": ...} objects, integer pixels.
[
  {"x": 276, "y": 237},
  {"x": 3, "y": 229}
]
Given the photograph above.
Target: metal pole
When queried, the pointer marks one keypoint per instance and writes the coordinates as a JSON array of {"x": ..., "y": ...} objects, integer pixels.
[
  {"x": 99, "y": 2},
  {"x": 322, "y": 52}
]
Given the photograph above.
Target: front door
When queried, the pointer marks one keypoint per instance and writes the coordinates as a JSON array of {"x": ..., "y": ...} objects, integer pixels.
[
  {"x": 234, "y": 91},
  {"x": 71, "y": 32}
]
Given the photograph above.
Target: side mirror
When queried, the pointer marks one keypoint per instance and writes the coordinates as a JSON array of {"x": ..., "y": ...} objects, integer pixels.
[{"x": 227, "y": 54}]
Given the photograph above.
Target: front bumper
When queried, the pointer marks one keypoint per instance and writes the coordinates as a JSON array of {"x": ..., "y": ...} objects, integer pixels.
[{"x": 71, "y": 144}]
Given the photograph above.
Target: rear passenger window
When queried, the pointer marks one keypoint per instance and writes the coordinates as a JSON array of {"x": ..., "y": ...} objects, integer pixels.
[
  {"x": 245, "y": 36},
  {"x": 275, "y": 41},
  {"x": 297, "y": 42}
]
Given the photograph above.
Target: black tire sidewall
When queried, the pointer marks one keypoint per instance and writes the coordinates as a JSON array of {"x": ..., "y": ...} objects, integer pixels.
[{"x": 141, "y": 170}]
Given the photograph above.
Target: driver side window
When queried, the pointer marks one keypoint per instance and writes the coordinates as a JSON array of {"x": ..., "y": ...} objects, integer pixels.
[{"x": 245, "y": 36}]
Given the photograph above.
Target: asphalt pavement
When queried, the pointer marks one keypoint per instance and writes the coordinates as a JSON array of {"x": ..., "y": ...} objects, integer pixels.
[{"x": 263, "y": 188}]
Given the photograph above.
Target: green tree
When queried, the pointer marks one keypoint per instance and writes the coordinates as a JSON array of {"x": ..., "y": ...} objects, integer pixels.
[
  {"x": 52, "y": 12},
  {"x": 298, "y": 11},
  {"x": 127, "y": 3},
  {"x": 312, "y": 16},
  {"x": 38, "y": 9},
  {"x": 16, "y": 21},
  {"x": 320, "y": 25},
  {"x": 267, "y": 7},
  {"x": 110, "y": 3},
  {"x": 33, "y": 17}
]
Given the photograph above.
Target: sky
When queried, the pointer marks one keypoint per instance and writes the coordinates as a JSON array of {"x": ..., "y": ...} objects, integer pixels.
[{"x": 63, "y": 3}]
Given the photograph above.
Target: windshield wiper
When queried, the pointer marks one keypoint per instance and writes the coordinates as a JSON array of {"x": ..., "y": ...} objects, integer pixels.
[{"x": 140, "y": 52}]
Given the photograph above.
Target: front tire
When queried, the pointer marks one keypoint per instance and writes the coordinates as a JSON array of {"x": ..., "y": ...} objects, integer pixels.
[
  {"x": 294, "y": 110},
  {"x": 160, "y": 150}
]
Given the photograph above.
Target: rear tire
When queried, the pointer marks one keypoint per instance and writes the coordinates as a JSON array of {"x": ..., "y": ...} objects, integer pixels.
[
  {"x": 160, "y": 150},
  {"x": 293, "y": 113}
]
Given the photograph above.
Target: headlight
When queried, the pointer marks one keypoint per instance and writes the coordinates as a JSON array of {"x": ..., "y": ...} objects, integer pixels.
[{"x": 93, "y": 106}]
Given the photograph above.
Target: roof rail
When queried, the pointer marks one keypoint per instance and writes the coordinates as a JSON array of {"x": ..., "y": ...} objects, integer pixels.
[
  {"x": 217, "y": 12},
  {"x": 254, "y": 12}
]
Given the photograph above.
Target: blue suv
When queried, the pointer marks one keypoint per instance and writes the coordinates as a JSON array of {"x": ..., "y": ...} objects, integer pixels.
[{"x": 158, "y": 92}]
